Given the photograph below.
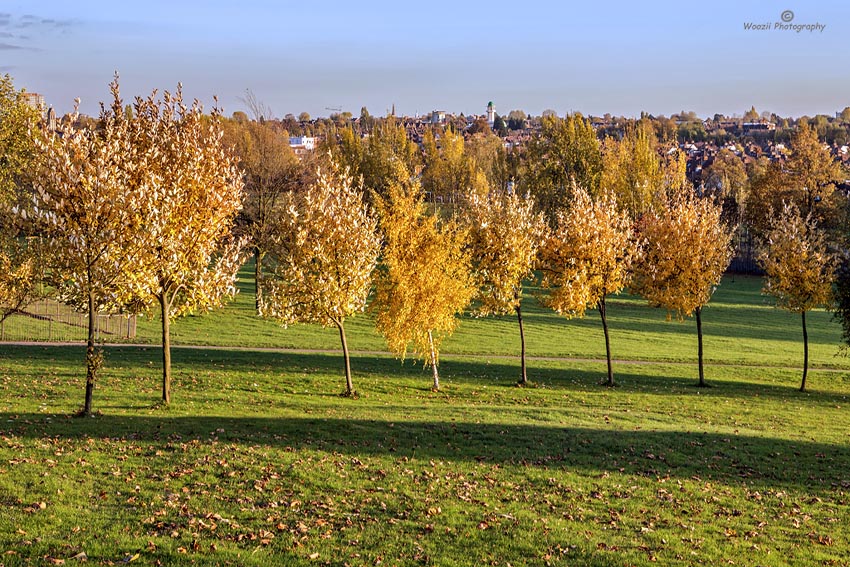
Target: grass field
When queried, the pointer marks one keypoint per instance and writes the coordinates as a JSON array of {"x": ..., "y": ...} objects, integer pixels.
[{"x": 259, "y": 462}]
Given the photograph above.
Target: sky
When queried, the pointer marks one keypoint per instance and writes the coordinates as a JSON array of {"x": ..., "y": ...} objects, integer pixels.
[{"x": 594, "y": 57}]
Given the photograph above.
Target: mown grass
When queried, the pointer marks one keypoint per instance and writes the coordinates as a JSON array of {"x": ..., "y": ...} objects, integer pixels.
[
  {"x": 258, "y": 461},
  {"x": 741, "y": 326}
]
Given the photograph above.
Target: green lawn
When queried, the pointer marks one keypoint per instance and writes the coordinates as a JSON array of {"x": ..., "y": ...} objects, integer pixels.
[{"x": 259, "y": 462}]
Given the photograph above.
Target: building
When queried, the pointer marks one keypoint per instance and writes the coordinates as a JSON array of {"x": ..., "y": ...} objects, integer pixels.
[
  {"x": 34, "y": 101},
  {"x": 491, "y": 114},
  {"x": 302, "y": 145}
]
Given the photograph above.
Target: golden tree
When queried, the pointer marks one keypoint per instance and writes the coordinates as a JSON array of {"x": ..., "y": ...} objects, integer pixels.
[
  {"x": 631, "y": 169},
  {"x": 89, "y": 206},
  {"x": 193, "y": 191},
  {"x": 322, "y": 253},
  {"x": 19, "y": 283},
  {"x": 504, "y": 235},
  {"x": 686, "y": 249},
  {"x": 799, "y": 267},
  {"x": 588, "y": 257},
  {"x": 425, "y": 280}
]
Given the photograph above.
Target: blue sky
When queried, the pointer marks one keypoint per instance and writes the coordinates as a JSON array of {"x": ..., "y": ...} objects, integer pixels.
[{"x": 592, "y": 57}]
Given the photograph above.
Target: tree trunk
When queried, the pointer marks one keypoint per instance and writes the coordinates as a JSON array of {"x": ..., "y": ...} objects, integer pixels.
[
  {"x": 258, "y": 275},
  {"x": 166, "y": 349},
  {"x": 698, "y": 311},
  {"x": 604, "y": 317},
  {"x": 523, "y": 379},
  {"x": 349, "y": 387},
  {"x": 91, "y": 363},
  {"x": 805, "y": 354},
  {"x": 436, "y": 385}
]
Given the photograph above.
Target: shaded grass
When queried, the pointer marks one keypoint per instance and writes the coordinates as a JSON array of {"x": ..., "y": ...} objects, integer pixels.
[
  {"x": 260, "y": 462},
  {"x": 740, "y": 326}
]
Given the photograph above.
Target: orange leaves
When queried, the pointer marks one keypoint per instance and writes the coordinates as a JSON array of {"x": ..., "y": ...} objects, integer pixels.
[
  {"x": 686, "y": 249},
  {"x": 797, "y": 262}
]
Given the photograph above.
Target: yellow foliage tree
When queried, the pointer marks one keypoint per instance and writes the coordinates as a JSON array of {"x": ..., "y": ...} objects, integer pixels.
[
  {"x": 88, "y": 206},
  {"x": 322, "y": 253},
  {"x": 799, "y": 267},
  {"x": 631, "y": 169},
  {"x": 425, "y": 280},
  {"x": 588, "y": 257},
  {"x": 504, "y": 235},
  {"x": 193, "y": 190},
  {"x": 19, "y": 283},
  {"x": 686, "y": 249}
]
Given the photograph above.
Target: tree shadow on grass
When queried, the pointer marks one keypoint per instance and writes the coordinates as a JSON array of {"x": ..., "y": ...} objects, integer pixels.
[
  {"x": 730, "y": 459},
  {"x": 644, "y": 378}
]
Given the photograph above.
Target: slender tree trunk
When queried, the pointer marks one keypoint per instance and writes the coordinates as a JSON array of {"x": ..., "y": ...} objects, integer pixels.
[
  {"x": 699, "y": 347},
  {"x": 805, "y": 354},
  {"x": 91, "y": 364},
  {"x": 166, "y": 349},
  {"x": 258, "y": 275},
  {"x": 604, "y": 317},
  {"x": 349, "y": 387},
  {"x": 523, "y": 379},
  {"x": 436, "y": 385}
]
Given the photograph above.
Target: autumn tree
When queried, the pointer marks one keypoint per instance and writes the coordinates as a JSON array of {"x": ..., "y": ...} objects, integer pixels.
[
  {"x": 425, "y": 280},
  {"x": 504, "y": 236},
  {"x": 449, "y": 175},
  {"x": 88, "y": 204},
  {"x": 19, "y": 283},
  {"x": 632, "y": 169},
  {"x": 564, "y": 154},
  {"x": 270, "y": 169},
  {"x": 798, "y": 266},
  {"x": 193, "y": 192},
  {"x": 686, "y": 249},
  {"x": 726, "y": 181},
  {"x": 588, "y": 257},
  {"x": 806, "y": 179},
  {"x": 487, "y": 153},
  {"x": 322, "y": 252}
]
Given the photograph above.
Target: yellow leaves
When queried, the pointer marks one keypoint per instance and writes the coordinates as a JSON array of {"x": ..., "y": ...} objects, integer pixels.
[
  {"x": 686, "y": 249},
  {"x": 322, "y": 254},
  {"x": 797, "y": 262},
  {"x": 588, "y": 255},
  {"x": 504, "y": 235},
  {"x": 425, "y": 281}
]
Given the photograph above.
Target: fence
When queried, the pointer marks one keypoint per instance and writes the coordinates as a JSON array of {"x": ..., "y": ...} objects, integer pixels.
[{"x": 49, "y": 320}]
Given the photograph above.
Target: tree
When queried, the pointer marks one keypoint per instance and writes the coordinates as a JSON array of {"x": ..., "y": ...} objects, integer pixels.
[
  {"x": 686, "y": 249},
  {"x": 449, "y": 176},
  {"x": 588, "y": 257},
  {"x": 798, "y": 267},
  {"x": 194, "y": 192},
  {"x": 19, "y": 281},
  {"x": 504, "y": 236},
  {"x": 304, "y": 117},
  {"x": 564, "y": 154},
  {"x": 323, "y": 251},
  {"x": 806, "y": 179},
  {"x": 270, "y": 169},
  {"x": 88, "y": 203},
  {"x": 487, "y": 153},
  {"x": 425, "y": 279},
  {"x": 726, "y": 180},
  {"x": 632, "y": 170}
]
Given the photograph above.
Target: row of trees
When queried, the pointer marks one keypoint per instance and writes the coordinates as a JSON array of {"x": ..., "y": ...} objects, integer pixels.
[{"x": 140, "y": 212}]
